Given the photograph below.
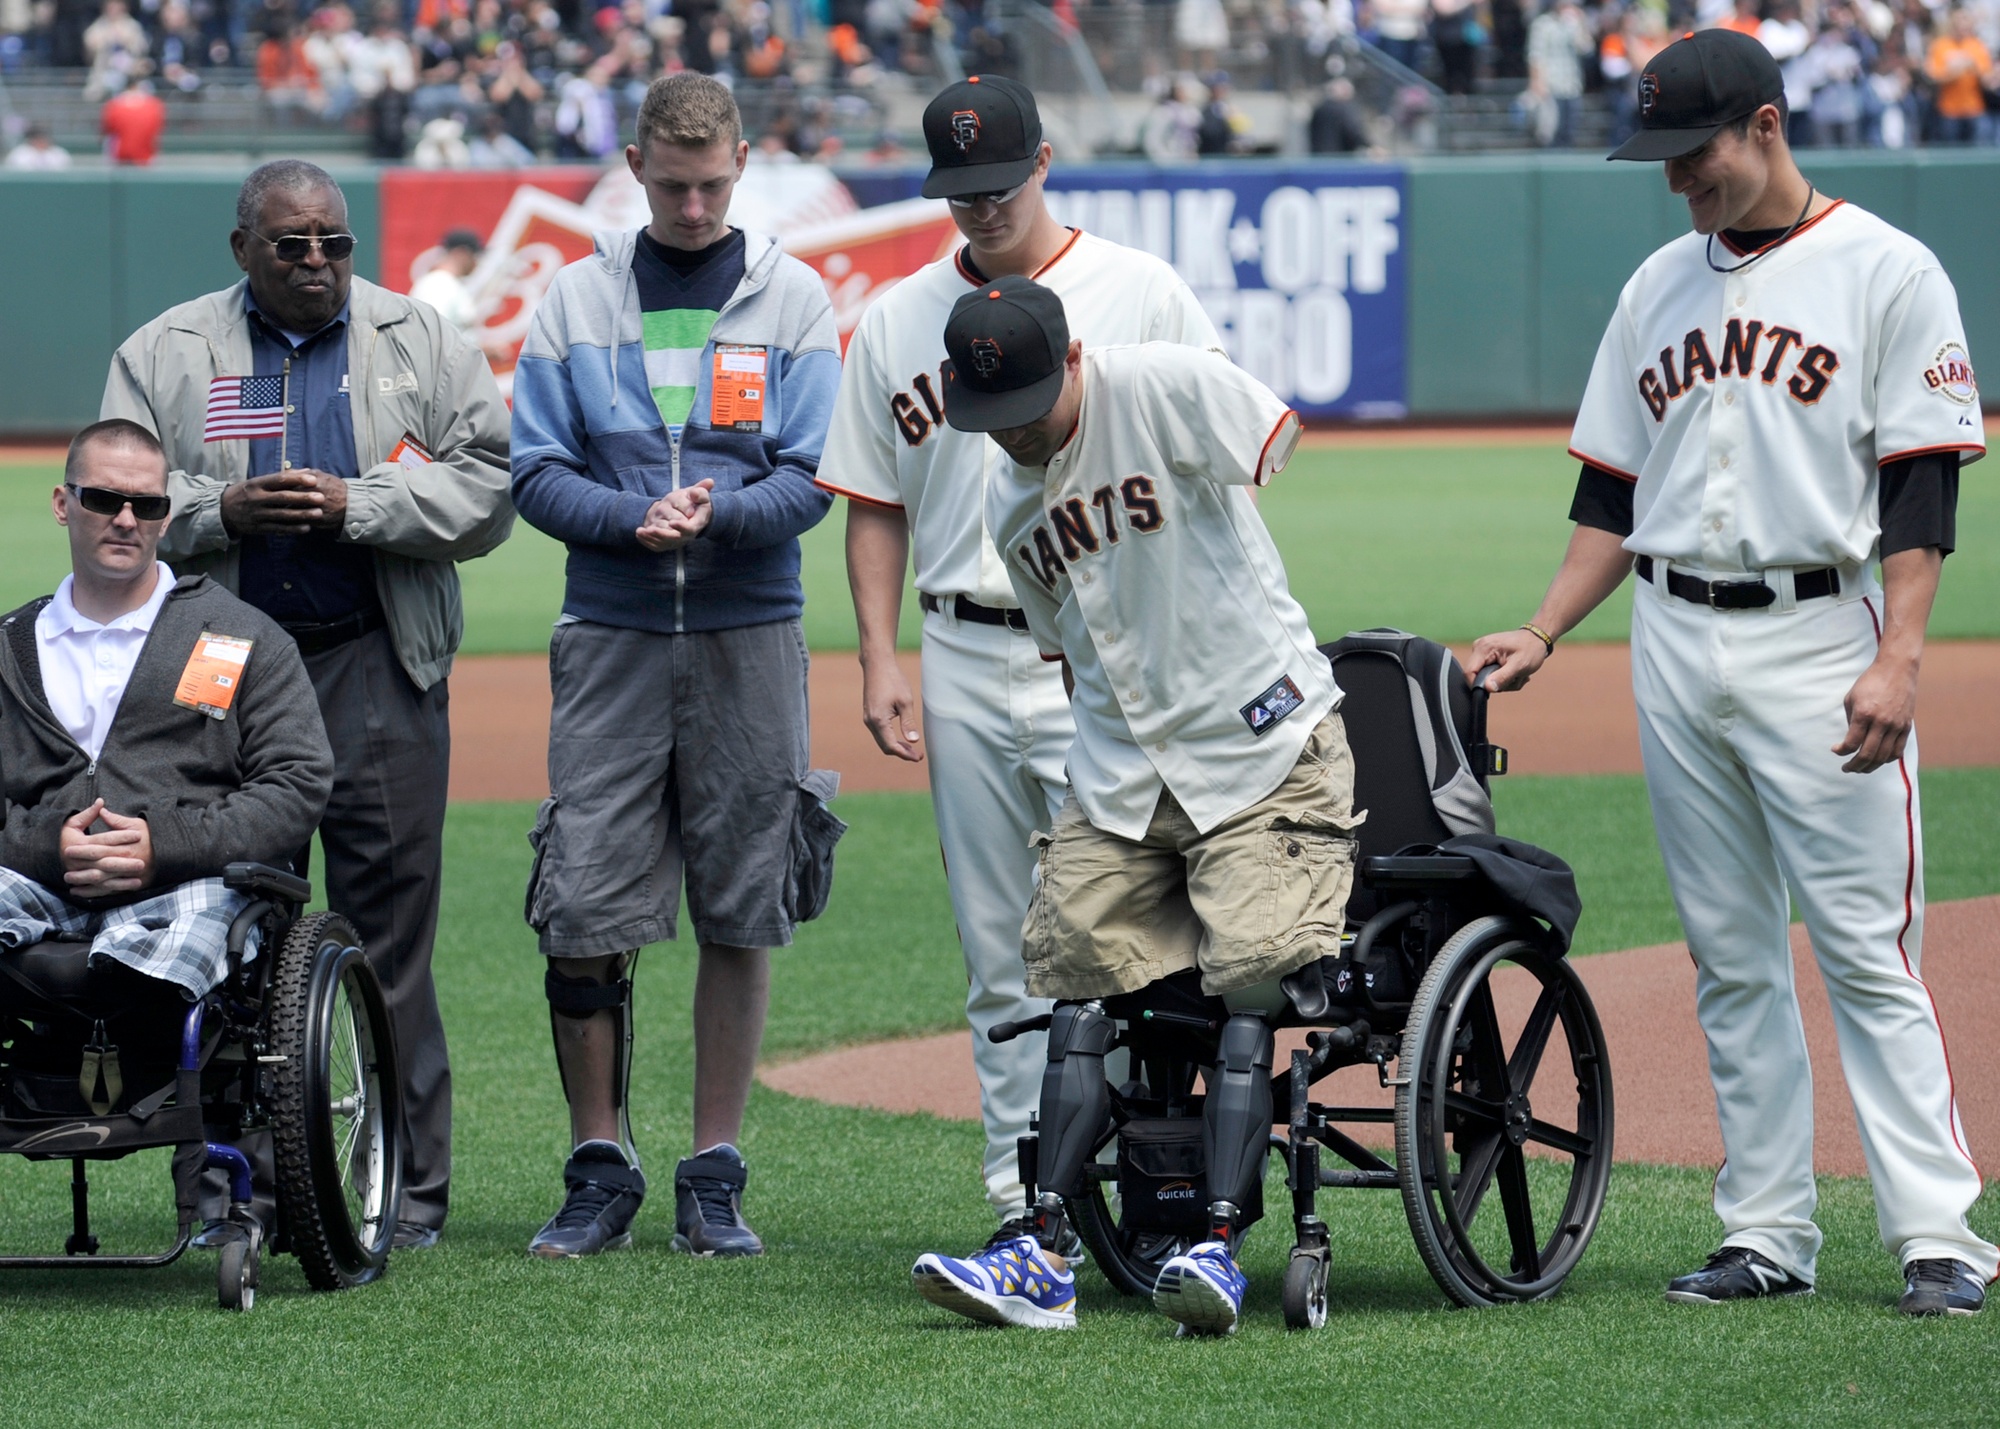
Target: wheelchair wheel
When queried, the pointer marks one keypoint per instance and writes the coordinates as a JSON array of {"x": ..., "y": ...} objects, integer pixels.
[
  {"x": 1130, "y": 1258},
  {"x": 335, "y": 1105},
  {"x": 1471, "y": 1106},
  {"x": 236, "y": 1276}
]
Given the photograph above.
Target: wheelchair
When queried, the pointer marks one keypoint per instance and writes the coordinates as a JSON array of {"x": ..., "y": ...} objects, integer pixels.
[
  {"x": 1461, "y": 1000},
  {"x": 95, "y": 1064}
]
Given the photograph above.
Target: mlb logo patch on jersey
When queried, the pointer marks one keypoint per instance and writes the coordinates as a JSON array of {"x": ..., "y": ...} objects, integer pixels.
[
  {"x": 1950, "y": 375},
  {"x": 1263, "y": 713}
]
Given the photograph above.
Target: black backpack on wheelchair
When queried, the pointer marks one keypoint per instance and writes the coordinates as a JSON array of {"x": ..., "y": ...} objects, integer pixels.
[
  {"x": 1451, "y": 982},
  {"x": 295, "y": 1044}
]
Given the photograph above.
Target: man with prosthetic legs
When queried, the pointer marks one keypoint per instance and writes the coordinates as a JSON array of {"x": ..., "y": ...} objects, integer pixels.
[{"x": 1206, "y": 827}]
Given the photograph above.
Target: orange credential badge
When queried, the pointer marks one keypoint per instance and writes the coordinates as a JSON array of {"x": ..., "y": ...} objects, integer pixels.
[
  {"x": 213, "y": 675},
  {"x": 736, "y": 396}
]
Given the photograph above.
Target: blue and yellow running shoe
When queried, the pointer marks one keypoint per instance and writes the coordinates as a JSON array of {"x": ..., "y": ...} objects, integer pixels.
[
  {"x": 1011, "y": 1282},
  {"x": 1202, "y": 1289}
]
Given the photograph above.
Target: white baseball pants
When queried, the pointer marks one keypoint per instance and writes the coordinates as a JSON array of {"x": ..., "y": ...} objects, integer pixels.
[
  {"x": 1738, "y": 714},
  {"x": 998, "y": 728}
]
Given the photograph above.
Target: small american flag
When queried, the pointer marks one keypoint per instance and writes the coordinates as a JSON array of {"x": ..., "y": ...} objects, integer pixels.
[{"x": 244, "y": 407}]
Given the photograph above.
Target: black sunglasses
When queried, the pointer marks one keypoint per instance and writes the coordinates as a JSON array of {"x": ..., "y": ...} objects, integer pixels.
[
  {"x": 293, "y": 247},
  {"x": 103, "y": 501}
]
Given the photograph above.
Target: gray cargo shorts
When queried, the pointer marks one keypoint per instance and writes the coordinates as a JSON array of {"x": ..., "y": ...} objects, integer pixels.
[{"x": 671, "y": 757}]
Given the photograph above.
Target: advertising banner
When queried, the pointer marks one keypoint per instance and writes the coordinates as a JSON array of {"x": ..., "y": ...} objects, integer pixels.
[{"x": 1301, "y": 269}]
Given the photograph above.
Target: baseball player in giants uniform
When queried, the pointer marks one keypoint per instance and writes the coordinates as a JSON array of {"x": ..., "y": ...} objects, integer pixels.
[
  {"x": 996, "y": 724},
  {"x": 1782, "y": 399},
  {"x": 1211, "y": 788}
]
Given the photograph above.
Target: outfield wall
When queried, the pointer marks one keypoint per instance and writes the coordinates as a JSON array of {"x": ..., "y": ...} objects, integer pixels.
[{"x": 1498, "y": 272}]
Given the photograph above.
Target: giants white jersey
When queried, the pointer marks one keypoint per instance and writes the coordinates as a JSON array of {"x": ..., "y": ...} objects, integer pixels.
[
  {"x": 1139, "y": 555},
  {"x": 889, "y": 444},
  {"x": 1752, "y": 409}
]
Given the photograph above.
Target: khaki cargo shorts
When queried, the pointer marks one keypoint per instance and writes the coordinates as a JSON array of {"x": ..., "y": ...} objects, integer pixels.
[{"x": 1252, "y": 899}]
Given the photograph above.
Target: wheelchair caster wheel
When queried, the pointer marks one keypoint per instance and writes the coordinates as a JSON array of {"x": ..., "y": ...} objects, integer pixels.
[
  {"x": 1305, "y": 1291},
  {"x": 236, "y": 1277}
]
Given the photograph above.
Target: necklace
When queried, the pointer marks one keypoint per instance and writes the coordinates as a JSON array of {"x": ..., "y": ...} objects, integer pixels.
[{"x": 1709, "y": 251}]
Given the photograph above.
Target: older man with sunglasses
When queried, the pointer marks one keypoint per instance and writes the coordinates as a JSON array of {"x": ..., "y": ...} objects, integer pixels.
[{"x": 335, "y": 448}]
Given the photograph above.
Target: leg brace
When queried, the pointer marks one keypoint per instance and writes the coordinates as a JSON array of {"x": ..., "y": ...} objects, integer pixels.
[{"x": 580, "y": 999}]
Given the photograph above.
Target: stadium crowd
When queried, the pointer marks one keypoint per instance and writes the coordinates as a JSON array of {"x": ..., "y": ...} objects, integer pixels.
[{"x": 501, "y": 83}]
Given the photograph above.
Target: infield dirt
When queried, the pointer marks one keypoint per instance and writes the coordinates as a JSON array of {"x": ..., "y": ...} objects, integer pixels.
[{"x": 1576, "y": 718}]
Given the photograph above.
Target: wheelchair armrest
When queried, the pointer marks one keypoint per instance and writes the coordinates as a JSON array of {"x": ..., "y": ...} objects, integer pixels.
[
  {"x": 1416, "y": 871},
  {"x": 263, "y": 881}
]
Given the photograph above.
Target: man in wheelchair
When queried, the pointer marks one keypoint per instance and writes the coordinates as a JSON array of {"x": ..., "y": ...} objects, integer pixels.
[
  {"x": 1207, "y": 829},
  {"x": 152, "y": 732}
]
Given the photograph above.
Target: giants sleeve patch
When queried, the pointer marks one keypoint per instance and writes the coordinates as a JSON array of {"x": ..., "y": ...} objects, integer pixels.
[{"x": 1950, "y": 375}]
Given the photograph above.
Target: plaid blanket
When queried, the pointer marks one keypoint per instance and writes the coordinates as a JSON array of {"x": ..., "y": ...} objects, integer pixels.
[{"x": 180, "y": 936}]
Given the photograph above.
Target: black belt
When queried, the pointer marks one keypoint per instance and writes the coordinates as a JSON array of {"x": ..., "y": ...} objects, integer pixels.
[
  {"x": 317, "y": 638},
  {"x": 978, "y": 614},
  {"x": 1743, "y": 595}
]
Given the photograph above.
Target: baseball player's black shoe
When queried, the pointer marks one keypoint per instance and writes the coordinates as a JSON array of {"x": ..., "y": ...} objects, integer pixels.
[
  {"x": 1941, "y": 1287},
  {"x": 708, "y": 1205},
  {"x": 1734, "y": 1273}
]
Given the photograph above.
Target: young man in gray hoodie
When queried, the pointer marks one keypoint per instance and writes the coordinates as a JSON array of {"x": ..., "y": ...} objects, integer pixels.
[{"x": 669, "y": 407}]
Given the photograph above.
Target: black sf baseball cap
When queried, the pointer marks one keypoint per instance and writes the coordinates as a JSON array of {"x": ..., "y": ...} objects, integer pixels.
[
  {"x": 1696, "y": 85},
  {"x": 983, "y": 134},
  {"x": 1006, "y": 341}
]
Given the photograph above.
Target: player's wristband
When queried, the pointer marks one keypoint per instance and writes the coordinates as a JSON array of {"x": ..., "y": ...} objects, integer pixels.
[{"x": 1548, "y": 640}]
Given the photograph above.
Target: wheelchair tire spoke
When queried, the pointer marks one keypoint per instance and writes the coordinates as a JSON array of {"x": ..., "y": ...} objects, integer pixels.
[
  {"x": 1476, "y": 1109},
  {"x": 1520, "y": 1210},
  {"x": 1561, "y": 1140},
  {"x": 1475, "y": 1173},
  {"x": 1488, "y": 1057},
  {"x": 1521, "y": 1067}
]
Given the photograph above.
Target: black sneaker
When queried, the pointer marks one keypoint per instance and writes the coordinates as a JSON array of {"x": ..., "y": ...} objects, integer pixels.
[
  {"x": 1941, "y": 1287},
  {"x": 1068, "y": 1244},
  {"x": 708, "y": 1205},
  {"x": 1734, "y": 1273},
  {"x": 605, "y": 1192}
]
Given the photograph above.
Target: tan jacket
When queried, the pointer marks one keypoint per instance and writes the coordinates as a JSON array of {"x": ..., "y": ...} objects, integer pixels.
[{"x": 409, "y": 372}]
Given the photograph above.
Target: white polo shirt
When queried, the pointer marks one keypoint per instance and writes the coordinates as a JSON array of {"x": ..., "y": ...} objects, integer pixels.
[
  {"x": 889, "y": 444},
  {"x": 1138, "y": 554},
  {"x": 1752, "y": 409},
  {"x": 86, "y": 666}
]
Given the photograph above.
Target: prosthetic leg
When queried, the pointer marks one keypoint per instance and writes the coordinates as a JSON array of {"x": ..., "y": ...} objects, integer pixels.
[
  {"x": 575, "y": 999},
  {"x": 1236, "y": 1120},
  {"x": 1076, "y": 1102}
]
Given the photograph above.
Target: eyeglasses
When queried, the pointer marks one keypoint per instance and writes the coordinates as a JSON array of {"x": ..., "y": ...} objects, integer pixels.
[
  {"x": 103, "y": 501},
  {"x": 293, "y": 247},
  {"x": 969, "y": 200}
]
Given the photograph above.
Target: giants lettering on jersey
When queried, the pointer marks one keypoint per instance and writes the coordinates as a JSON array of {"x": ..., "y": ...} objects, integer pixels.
[
  {"x": 1082, "y": 530},
  {"x": 1812, "y": 364},
  {"x": 915, "y": 425}
]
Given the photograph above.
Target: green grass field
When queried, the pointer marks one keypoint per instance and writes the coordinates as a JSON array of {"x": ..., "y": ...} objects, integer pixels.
[
  {"x": 824, "y": 1330},
  {"x": 1447, "y": 541}
]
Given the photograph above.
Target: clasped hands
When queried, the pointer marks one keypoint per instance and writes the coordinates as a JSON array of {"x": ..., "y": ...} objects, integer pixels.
[
  {"x": 118, "y": 860},
  {"x": 285, "y": 503},
  {"x": 678, "y": 517}
]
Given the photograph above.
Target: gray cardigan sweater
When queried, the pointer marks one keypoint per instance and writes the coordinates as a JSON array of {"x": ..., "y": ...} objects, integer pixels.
[{"x": 251, "y": 785}]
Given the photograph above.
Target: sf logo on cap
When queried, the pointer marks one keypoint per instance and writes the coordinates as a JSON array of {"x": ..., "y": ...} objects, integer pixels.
[
  {"x": 985, "y": 356},
  {"x": 964, "y": 128},
  {"x": 1649, "y": 91}
]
